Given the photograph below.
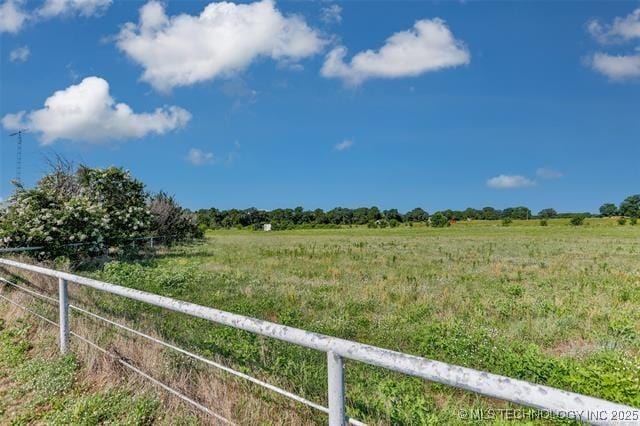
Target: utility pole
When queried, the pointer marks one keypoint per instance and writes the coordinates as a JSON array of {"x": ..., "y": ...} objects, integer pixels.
[{"x": 19, "y": 155}]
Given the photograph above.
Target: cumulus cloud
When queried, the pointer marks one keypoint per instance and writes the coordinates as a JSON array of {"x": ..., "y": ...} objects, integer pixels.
[
  {"x": 198, "y": 157},
  {"x": 509, "y": 182},
  {"x": 428, "y": 46},
  {"x": 616, "y": 67},
  {"x": 220, "y": 42},
  {"x": 547, "y": 173},
  {"x": 622, "y": 29},
  {"x": 87, "y": 112},
  {"x": 12, "y": 17},
  {"x": 331, "y": 14},
  {"x": 20, "y": 54},
  {"x": 52, "y": 8},
  {"x": 345, "y": 144}
]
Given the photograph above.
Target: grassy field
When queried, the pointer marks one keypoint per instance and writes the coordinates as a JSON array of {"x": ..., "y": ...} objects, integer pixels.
[
  {"x": 558, "y": 305},
  {"x": 37, "y": 386}
]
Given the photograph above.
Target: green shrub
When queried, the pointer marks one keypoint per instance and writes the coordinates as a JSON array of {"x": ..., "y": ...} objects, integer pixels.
[
  {"x": 544, "y": 222},
  {"x": 76, "y": 213},
  {"x": 622, "y": 220},
  {"x": 577, "y": 221},
  {"x": 507, "y": 221},
  {"x": 171, "y": 221},
  {"x": 633, "y": 221},
  {"x": 438, "y": 220}
]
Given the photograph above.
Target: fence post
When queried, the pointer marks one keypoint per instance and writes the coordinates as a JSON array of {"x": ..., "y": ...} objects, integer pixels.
[
  {"x": 335, "y": 373},
  {"x": 63, "y": 298}
]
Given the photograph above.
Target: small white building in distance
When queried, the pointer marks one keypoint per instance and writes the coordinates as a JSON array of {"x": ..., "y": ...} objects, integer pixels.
[{"x": 266, "y": 227}]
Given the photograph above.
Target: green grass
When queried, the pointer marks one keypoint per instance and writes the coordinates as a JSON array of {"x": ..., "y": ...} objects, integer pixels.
[
  {"x": 558, "y": 305},
  {"x": 39, "y": 387}
]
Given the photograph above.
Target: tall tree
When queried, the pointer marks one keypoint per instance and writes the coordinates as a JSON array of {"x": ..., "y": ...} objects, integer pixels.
[
  {"x": 631, "y": 206},
  {"x": 547, "y": 213},
  {"x": 417, "y": 215},
  {"x": 608, "y": 209}
]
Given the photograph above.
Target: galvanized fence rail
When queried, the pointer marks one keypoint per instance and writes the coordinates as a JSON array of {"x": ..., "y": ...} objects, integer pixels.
[{"x": 562, "y": 403}]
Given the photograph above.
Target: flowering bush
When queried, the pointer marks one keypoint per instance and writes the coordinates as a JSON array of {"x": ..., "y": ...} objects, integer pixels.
[
  {"x": 76, "y": 212},
  {"x": 123, "y": 199}
]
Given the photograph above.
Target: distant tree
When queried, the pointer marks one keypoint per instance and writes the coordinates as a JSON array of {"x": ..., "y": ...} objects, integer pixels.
[
  {"x": 439, "y": 220},
  {"x": 471, "y": 213},
  {"x": 361, "y": 215},
  {"x": 608, "y": 210},
  {"x": 631, "y": 206},
  {"x": 547, "y": 213},
  {"x": 374, "y": 214},
  {"x": 577, "y": 220},
  {"x": 209, "y": 218},
  {"x": 517, "y": 212},
  {"x": 392, "y": 214},
  {"x": 298, "y": 216},
  {"x": 320, "y": 216},
  {"x": 489, "y": 213},
  {"x": 416, "y": 215}
]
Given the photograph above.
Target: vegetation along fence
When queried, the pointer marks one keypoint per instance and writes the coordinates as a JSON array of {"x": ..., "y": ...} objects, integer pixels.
[{"x": 562, "y": 403}]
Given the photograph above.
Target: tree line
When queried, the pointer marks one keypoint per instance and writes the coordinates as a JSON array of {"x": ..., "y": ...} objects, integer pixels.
[{"x": 373, "y": 216}]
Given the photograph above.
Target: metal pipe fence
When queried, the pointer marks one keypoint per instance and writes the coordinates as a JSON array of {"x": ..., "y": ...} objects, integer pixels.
[{"x": 562, "y": 403}]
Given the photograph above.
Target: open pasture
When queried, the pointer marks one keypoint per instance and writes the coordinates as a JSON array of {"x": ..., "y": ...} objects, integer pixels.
[{"x": 558, "y": 305}]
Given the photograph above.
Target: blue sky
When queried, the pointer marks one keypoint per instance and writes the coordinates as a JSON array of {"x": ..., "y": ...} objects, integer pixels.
[{"x": 479, "y": 103}]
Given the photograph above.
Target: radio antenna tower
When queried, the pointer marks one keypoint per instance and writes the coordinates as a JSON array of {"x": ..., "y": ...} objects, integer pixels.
[{"x": 19, "y": 156}]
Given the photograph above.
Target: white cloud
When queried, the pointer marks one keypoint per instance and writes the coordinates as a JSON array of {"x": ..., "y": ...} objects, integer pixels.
[
  {"x": 331, "y": 14},
  {"x": 14, "y": 121},
  {"x": 52, "y": 8},
  {"x": 428, "y": 46},
  {"x": 547, "y": 173},
  {"x": 345, "y": 144},
  {"x": 87, "y": 112},
  {"x": 197, "y": 157},
  {"x": 220, "y": 42},
  {"x": 622, "y": 29},
  {"x": 12, "y": 17},
  {"x": 509, "y": 182},
  {"x": 616, "y": 67},
  {"x": 21, "y": 54}
]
